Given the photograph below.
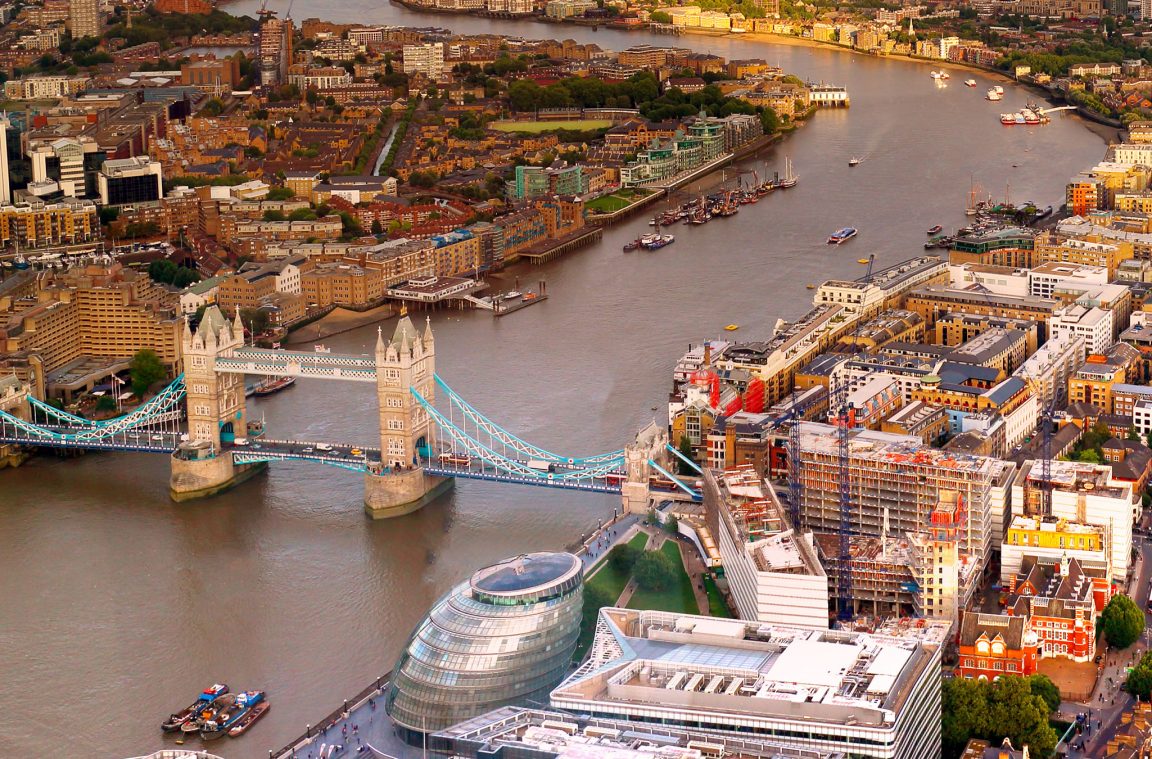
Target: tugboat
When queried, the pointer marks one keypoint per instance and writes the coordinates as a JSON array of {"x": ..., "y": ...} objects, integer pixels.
[
  {"x": 273, "y": 385},
  {"x": 853, "y": 161},
  {"x": 935, "y": 229},
  {"x": 206, "y": 697},
  {"x": 218, "y": 725},
  {"x": 842, "y": 235},
  {"x": 632, "y": 245}
]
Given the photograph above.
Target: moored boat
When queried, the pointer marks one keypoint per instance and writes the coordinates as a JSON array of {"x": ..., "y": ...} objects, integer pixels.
[
  {"x": 175, "y": 721},
  {"x": 633, "y": 245},
  {"x": 970, "y": 83},
  {"x": 218, "y": 725},
  {"x": 245, "y": 722},
  {"x": 655, "y": 242},
  {"x": 935, "y": 229},
  {"x": 789, "y": 179},
  {"x": 993, "y": 94},
  {"x": 208, "y": 711},
  {"x": 1008, "y": 119},
  {"x": 273, "y": 385},
  {"x": 842, "y": 235}
]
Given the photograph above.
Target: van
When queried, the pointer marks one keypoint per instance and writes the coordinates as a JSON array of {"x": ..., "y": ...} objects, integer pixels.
[
  {"x": 323, "y": 447},
  {"x": 541, "y": 466},
  {"x": 240, "y": 441}
]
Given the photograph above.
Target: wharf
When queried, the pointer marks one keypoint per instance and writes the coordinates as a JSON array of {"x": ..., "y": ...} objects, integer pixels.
[
  {"x": 553, "y": 249},
  {"x": 503, "y": 309}
]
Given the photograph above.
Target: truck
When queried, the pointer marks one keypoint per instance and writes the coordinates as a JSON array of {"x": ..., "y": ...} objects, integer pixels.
[{"x": 541, "y": 466}]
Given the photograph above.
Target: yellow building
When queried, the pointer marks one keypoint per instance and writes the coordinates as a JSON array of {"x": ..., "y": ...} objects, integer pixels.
[
  {"x": 1032, "y": 532},
  {"x": 1095, "y": 380},
  {"x": 1090, "y": 251},
  {"x": 38, "y": 225}
]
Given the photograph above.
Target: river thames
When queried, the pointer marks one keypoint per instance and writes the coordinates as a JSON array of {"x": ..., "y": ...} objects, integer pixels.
[{"x": 118, "y": 605}]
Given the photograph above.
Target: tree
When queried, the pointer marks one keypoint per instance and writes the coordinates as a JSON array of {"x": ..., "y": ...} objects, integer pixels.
[
  {"x": 162, "y": 270},
  {"x": 146, "y": 370},
  {"x": 184, "y": 277},
  {"x": 1043, "y": 687},
  {"x": 1122, "y": 621},
  {"x": 964, "y": 712},
  {"x": 685, "y": 448},
  {"x": 653, "y": 571},
  {"x": 254, "y": 320},
  {"x": 659, "y": 17},
  {"x": 623, "y": 557},
  {"x": 595, "y": 598},
  {"x": 274, "y": 215},
  {"x": 281, "y": 193},
  {"x": 1139, "y": 681},
  {"x": 672, "y": 524},
  {"x": 106, "y": 403}
]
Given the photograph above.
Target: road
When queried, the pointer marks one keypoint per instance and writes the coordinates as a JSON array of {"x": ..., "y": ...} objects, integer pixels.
[{"x": 1109, "y": 700}]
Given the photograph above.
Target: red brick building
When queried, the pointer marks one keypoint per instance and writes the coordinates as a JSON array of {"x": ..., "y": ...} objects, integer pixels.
[
  {"x": 992, "y": 645},
  {"x": 1061, "y": 601}
]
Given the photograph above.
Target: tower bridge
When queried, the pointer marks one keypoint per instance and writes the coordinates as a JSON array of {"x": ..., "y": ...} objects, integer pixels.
[{"x": 422, "y": 447}]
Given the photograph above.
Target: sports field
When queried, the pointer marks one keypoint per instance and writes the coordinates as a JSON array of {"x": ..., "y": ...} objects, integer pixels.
[{"x": 548, "y": 126}]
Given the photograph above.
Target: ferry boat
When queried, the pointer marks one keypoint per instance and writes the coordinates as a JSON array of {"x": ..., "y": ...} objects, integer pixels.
[
  {"x": 970, "y": 83},
  {"x": 935, "y": 229},
  {"x": 853, "y": 161},
  {"x": 789, "y": 179},
  {"x": 273, "y": 385},
  {"x": 842, "y": 235},
  {"x": 206, "y": 697},
  {"x": 994, "y": 94},
  {"x": 655, "y": 242},
  {"x": 245, "y": 722}
]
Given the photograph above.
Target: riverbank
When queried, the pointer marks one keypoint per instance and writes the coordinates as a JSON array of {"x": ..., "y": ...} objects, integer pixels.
[{"x": 338, "y": 321}]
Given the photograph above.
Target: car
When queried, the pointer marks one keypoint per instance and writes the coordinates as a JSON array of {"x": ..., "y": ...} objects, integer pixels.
[
  {"x": 306, "y": 450},
  {"x": 240, "y": 441},
  {"x": 356, "y": 452},
  {"x": 157, "y": 437}
]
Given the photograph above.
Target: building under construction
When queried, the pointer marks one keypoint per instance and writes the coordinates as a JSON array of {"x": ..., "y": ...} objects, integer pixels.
[{"x": 895, "y": 483}]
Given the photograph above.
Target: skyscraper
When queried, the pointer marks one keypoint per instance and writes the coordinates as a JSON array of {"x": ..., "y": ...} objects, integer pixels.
[{"x": 85, "y": 18}]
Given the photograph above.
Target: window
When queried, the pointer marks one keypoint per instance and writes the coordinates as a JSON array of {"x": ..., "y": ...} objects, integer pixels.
[{"x": 395, "y": 424}]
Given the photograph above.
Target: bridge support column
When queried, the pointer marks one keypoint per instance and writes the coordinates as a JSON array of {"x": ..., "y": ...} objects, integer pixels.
[
  {"x": 396, "y": 493},
  {"x": 648, "y": 446},
  {"x": 195, "y": 477},
  {"x": 14, "y": 400}
]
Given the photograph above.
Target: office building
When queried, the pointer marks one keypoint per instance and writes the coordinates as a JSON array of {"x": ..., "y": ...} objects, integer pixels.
[
  {"x": 860, "y": 694},
  {"x": 773, "y": 570},
  {"x": 127, "y": 181},
  {"x": 505, "y": 636}
]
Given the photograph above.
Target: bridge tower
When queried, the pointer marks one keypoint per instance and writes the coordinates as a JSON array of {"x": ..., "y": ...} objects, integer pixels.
[
  {"x": 404, "y": 363},
  {"x": 216, "y": 410},
  {"x": 649, "y": 445},
  {"x": 14, "y": 400}
]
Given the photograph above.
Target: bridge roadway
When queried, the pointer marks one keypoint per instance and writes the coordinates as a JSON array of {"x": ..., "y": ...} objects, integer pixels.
[
  {"x": 143, "y": 441},
  {"x": 282, "y": 363}
]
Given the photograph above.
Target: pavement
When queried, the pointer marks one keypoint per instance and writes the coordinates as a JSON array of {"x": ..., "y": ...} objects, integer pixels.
[{"x": 1109, "y": 700}]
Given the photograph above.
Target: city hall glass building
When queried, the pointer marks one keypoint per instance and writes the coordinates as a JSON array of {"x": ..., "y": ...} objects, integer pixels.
[{"x": 506, "y": 636}]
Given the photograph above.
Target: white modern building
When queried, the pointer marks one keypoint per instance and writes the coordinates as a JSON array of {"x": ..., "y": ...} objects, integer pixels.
[
  {"x": 1047, "y": 370},
  {"x": 1092, "y": 324},
  {"x": 1048, "y": 278},
  {"x": 1085, "y": 494},
  {"x": 773, "y": 571},
  {"x": 868, "y": 696}
]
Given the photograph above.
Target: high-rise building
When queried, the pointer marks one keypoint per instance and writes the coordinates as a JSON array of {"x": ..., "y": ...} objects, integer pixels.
[
  {"x": 85, "y": 18},
  {"x": 426, "y": 59}
]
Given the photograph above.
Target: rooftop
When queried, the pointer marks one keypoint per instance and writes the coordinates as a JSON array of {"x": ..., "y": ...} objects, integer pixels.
[{"x": 527, "y": 572}]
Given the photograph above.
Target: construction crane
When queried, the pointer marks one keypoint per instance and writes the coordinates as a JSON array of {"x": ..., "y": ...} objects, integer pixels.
[
  {"x": 1044, "y": 429},
  {"x": 845, "y": 420}
]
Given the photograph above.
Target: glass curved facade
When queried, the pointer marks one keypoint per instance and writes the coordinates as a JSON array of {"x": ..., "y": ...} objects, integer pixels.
[{"x": 505, "y": 636}]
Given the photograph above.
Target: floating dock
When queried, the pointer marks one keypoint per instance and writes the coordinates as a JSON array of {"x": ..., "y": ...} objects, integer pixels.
[{"x": 504, "y": 307}]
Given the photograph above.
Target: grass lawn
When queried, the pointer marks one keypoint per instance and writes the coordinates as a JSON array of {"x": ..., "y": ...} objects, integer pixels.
[
  {"x": 603, "y": 575},
  {"x": 581, "y": 125},
  {"x": 617, "y": 200},
  {"x": 716, "y": 605},
  {"x": 678, "y": 596}
]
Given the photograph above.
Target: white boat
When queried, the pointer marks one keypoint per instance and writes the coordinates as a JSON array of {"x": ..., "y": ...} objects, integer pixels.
[
  {"x": 512, "y": 295},
  {"x": 970, "y": 83},
  {"x": 993, "y": 95},
  {"x": 999, "y": 90},
  {"x": 945, "y": 75},
  {"x": 321, "y": 348},
  {"x": 789, "y": 179},
  {"x": 936, "y": 75}
]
